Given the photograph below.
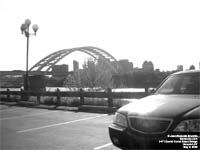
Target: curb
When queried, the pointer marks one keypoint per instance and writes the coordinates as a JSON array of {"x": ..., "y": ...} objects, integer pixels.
[{"x": 84, "y": 108}]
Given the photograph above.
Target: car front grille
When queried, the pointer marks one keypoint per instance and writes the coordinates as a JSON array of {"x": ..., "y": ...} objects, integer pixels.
[{"x": 149, "y": 125}]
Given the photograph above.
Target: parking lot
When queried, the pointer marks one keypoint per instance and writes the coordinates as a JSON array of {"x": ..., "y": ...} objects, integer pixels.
[{"x": 23, "y": 128}]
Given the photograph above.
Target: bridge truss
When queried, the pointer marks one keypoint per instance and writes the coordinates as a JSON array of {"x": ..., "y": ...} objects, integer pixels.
[{"x": 49, "y": 61}]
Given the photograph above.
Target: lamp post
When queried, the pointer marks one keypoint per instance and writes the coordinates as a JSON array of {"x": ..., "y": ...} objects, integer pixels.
[{"x": 25, "y": 30}]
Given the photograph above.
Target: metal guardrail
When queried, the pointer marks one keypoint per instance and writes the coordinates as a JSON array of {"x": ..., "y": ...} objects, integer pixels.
[{"x": 81, "y": 94}]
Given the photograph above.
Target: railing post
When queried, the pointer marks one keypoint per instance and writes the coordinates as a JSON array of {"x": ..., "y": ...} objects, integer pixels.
[
  {"x": 110, "y": 100},
  {"x": 8, "y": 94},
  {"x": 38, "y": 99},
  {"x": 58, "y": 98},
  {"x": 22, "y": 94},
  {"x": 25, "y": 95},
  {"x": 146, "y": 89},
  {"x": 81, "y": 97}
]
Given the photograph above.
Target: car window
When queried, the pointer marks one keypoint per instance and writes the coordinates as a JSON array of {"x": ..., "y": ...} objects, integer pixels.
[{"x": 188, "y": 83}]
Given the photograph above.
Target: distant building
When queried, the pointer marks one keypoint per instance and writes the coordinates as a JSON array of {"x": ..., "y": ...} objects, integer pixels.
[
  {"x": 75, "y": 65},
  {"x": 180, "y": 68},
  {"x": 60, "y": 70},
  {"x": 137, "y": 69},
  {"x": 148, "y": 66},
  {"x": 125, "y": 67}
]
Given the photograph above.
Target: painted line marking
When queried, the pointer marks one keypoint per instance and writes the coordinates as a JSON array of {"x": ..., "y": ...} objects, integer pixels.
[
  {"x": 58, "y": 124},
  {"x": 103, "y": 146},
  {"x": 18, "y": 117}
]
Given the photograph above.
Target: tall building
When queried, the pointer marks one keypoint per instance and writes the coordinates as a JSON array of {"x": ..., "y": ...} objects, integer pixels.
[
  {"x": 180, "y": 68},
  {"x": 75, "y": 65},
  {"x": 125, "y": 67},
  {"x": 60, "y": 70}
]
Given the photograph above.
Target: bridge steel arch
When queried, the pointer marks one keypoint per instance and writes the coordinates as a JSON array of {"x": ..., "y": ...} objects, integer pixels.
[{"x": 49, "y": 61}]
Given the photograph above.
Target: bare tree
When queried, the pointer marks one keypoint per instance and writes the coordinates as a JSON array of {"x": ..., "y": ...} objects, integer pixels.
[
  {"x": 192, "y": 67},
  {"x": 93, "y": 74}
]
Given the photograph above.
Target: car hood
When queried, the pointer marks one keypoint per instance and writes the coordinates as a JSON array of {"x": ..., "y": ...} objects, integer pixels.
[{"x": 164, "y": 106}]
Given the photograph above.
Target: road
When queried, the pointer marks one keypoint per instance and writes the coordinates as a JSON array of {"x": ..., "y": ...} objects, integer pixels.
[{"x": 23, "y": 128}]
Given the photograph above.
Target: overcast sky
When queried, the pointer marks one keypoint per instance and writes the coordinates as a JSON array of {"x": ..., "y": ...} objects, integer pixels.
[{"x": 166, "y": 32}]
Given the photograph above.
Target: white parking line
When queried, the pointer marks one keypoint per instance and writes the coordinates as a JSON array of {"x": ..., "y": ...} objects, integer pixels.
[
  {"x": 58, "y": 124},
  {"x": 18, "y": 117},
  {"x": 103, "y": 146}
]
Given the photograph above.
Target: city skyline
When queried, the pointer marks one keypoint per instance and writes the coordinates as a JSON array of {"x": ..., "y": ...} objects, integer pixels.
[
  {"x": 164, "y": 32},
  {"x": 128, "y": 66},
  {"x": 71, "y": 65}
]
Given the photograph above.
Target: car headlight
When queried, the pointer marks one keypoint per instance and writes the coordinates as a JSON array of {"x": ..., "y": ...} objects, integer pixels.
[
  {"x": 192, "y": 125},
  {"x": 120, "y": 119}
]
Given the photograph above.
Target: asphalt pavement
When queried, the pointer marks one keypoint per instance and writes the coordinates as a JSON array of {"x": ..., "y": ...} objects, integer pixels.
[{"x": 25, "y": 128}]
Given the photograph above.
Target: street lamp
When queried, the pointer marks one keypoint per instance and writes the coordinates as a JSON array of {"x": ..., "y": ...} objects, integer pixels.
[{"x": 25, "y": 30}]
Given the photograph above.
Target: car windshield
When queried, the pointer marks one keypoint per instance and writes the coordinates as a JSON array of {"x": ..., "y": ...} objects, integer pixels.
[{"x": 188, "y": 83}]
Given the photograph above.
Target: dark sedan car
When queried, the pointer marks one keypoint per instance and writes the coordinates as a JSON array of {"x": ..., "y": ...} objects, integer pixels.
[{"x": 168, "y": 118}]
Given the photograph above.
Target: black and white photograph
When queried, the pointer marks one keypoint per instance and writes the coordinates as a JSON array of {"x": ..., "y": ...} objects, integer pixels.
[{"x": 100, "y": 75}]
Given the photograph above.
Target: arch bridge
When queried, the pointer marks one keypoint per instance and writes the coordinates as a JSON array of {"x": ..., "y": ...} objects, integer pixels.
[{"x": 49, "y": 61}]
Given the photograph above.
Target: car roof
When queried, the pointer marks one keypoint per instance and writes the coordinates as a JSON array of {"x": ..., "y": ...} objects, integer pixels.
[{"x": 188, "y": 71}]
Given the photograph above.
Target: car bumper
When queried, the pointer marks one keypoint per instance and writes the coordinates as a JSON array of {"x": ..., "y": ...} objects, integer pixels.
[
  {"x": 118, "y": 136},
  {"x": 124, "y": 138}
]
